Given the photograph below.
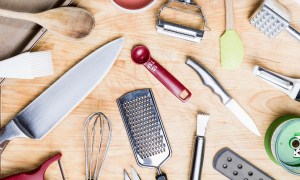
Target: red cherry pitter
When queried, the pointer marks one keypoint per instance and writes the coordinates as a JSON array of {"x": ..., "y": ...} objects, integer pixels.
[{"x": 38, "y": 173}]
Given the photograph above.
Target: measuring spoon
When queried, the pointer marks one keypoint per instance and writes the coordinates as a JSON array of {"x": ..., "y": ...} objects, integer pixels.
[{"x": 141, "y": 55}]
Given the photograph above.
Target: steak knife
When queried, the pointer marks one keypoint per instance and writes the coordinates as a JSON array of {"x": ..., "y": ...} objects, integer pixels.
[
  {"x": 229, "y": 102},
  {"x": 47, "y": 110}
]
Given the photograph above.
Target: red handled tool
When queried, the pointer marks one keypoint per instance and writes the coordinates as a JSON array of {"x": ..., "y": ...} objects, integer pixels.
[
  {"x": 38, "y": 173},
  {"x": 141, "y": 55}
]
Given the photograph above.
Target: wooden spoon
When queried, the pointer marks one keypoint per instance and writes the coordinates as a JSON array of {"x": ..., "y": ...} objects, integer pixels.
[{"x": 69, "y": 21}]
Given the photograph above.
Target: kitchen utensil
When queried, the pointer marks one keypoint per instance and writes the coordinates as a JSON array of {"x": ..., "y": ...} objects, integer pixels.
[
  {"x": 235, "y": 167},
  {"x": 135, "y": 176},
  {"x": 145, "y": 129},
  {"x": 68, "y": 21},
  {"x": 232, "y": 49},
  {"x": 94, "y": 135},
  {"x": 27, "y": 65},
  {"x": 133, "y": 6},
  {"x": 22, "y": 35},
  {"x": 141, "y": 55},
  {"x": 199, "y": 147},
  {"x": 286, "y": 84},
  {"x": 282, "y": 143},
  {"x": 39, "y": 173},
  {"x": 44, "y": 113},
  {"x": 180, "y": 31},
  {"x": 272, "y": 18},
  {"x": 209, "y": 81}
]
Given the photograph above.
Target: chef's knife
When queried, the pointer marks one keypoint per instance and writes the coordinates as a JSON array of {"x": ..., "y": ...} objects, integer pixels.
[
  {"x": 47, "y": 110},
  {"x": 217, "y": 89}
]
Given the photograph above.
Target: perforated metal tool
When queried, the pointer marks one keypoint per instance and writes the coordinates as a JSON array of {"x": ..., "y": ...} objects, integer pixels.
[
  {"x": 235, "y": 167},
  {"x": 145, "y": 129}
]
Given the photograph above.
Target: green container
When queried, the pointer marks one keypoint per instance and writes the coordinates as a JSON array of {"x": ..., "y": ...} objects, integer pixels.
[{"x": 281, "y": 139}]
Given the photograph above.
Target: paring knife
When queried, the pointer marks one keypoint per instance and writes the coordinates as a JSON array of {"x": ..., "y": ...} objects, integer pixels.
[
  {"x": 288, "y": 85},
  {"x": 47, "y": 110},
  {"x": 231, "y": 104}
]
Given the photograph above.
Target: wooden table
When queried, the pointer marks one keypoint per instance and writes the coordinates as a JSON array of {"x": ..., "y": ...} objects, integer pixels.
[{"x": 263, "y": 102}]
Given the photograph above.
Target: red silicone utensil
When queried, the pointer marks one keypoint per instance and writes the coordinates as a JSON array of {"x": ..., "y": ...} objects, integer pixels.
[
  {"x": 38, "y": 173},
  {"x": 141, "y": 55}
]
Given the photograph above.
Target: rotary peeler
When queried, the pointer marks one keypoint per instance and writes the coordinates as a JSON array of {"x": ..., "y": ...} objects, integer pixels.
[
  {"x": 38, "y": 173},
  {"x": 286, "y": 84},
  {"x": 180, "y": 31}
]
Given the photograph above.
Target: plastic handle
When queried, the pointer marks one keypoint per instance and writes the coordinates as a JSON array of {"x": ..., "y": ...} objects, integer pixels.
[
  {"x": 168, "y": 80},
  {"x": 198, "y": 158},
  {"x": 209, "y": 81},
  {"x": 36, "y": 174}
]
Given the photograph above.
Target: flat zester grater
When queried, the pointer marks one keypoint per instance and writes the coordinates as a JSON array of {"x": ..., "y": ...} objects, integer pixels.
[{"x": 145, "y": 129}]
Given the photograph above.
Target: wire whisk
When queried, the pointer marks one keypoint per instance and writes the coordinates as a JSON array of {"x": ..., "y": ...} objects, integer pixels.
[{"x": 93, "y": 136}]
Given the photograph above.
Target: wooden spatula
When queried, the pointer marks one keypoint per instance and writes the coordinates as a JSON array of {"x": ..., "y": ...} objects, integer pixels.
[
  {"x": 232, "y": 49},
  {"x": 69, "y": 21}
]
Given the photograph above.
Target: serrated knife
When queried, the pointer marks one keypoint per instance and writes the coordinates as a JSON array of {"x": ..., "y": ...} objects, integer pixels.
[
  {"x": 229, "y": 102},
  {"x": 47, "y": 110}
]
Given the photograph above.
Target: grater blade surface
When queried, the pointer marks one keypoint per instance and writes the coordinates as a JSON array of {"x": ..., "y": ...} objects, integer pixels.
[{"x": 144, "y": 128}]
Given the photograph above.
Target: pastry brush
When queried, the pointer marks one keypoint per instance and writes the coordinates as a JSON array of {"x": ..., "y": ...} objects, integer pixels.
[{"x": 27, "y": 65}]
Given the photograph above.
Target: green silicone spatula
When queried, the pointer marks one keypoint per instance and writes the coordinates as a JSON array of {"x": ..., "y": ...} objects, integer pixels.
[{"x": 232, "y": 49}]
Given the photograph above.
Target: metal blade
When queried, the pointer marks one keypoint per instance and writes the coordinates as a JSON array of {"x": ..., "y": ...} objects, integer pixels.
[
  {"x": 134, "y": 174},
  {"x": 237, "y": 110},
  {"x": 46, "y": 111}
]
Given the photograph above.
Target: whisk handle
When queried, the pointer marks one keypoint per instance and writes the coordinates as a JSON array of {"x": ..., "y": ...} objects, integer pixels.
[{"x": 161, "y": 177}]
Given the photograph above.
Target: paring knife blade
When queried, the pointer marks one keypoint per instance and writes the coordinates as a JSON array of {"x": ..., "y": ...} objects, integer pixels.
[
  {"x": 213, "y": 84},
  {"x": 46, "y": 111}
]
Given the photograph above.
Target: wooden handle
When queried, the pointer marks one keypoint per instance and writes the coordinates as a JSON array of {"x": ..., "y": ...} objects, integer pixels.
[
  {"x": 229, "y": 14},
  {"x": 16, "y": 15}
]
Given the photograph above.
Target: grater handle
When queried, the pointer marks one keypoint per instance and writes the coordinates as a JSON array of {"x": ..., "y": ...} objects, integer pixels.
[
  {"x": 168, "y": 80},
  {"x": 162, "y": 176},
  {"x": 294, "y": 32}
]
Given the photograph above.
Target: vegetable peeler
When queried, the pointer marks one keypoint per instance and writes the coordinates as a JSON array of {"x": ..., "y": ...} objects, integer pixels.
[
  {"x": 288, "y": 85},
  {"x": 180, "y": 31},
  {"x": 38, "y": 173}
]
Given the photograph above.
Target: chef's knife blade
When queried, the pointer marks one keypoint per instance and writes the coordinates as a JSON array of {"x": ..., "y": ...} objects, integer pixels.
[
  {"x": 213, "y": 84},
  {"x": 46, "y": 111}
]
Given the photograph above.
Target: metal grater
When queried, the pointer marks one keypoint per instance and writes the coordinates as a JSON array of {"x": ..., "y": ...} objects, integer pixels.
[
  {"x": 272, "y": 18},
  {"x": 145, "y": 130}
]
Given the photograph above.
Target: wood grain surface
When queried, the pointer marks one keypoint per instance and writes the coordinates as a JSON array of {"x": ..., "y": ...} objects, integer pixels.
[{"x": 260, "y": 100}]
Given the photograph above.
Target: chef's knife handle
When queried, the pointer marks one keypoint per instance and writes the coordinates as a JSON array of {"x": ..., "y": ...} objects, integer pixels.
[
  {"x": 198, "y": 158},
  {"x": 9, "y": 132},
  {"x": 208, "y": 80}
]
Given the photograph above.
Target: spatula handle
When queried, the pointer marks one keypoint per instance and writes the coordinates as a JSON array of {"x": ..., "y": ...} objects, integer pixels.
[
  {"x": 168, "y": 80},
  {"x": 229, "y": 14}
]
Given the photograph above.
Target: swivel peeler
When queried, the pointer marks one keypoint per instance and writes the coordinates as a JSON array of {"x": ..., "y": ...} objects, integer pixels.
[
  {"x": 288, "y": 85},
  {"x": 39, "y": 172}
]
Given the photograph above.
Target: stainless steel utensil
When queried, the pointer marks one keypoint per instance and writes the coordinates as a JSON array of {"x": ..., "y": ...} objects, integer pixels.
[
  {"x": 272, "y": 18},
  {"x": 145, "y": 129},
  {"x": 94, "y": 132},
  {"x": 134, "y": 174},
  {"x": 209, "y": 81},
  {"x": 286, "y": 84},
  {"x": 46, "y": 111},
  {"x": 180, "y": 31},
  {"x": 202, "y": 120}
]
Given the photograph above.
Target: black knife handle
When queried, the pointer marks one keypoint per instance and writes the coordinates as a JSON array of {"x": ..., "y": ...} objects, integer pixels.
[{"x": 198, "y": 158}]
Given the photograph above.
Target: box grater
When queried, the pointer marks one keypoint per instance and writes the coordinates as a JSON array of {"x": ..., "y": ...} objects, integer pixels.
[{"x": 145, "y": 129}]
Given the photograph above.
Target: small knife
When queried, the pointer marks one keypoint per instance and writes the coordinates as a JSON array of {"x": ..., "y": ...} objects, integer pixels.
[
  {"x": 46, "y": 111},
  {"x": 231, "y": 104}
]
